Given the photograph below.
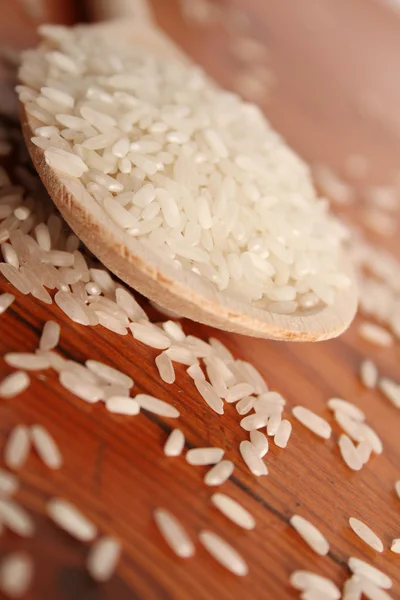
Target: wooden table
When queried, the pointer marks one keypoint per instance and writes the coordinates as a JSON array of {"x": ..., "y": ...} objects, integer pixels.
[{"x": 115, "y": 469}]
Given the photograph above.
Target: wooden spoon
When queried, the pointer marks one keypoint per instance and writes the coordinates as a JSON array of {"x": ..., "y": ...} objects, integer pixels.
[{"x": 180, "y": 291}]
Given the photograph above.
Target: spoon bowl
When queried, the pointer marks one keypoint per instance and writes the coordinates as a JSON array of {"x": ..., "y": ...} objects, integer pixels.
[{"x": 134, "y": 262}]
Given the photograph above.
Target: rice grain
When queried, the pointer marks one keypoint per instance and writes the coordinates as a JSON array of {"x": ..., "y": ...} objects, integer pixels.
[
  {"x": 204, "y": 456},
  {"x": 175, "y": 443},
  {"x": 68, "y": 517},
  {"x": 14, "y": 384},
  {"x": 173, "y": 533},
  {"x": 366, "y": 534},
  {"x": 309, "y": 419},
  {"x": 46, "y": 447},
  {"x": 103, "y": 558},
  {"x": 234, "y": 511},
  {"x": 17, "y": 447},
  {"x": 252, "y": 459},
  {"x": 156, "y": 406},
  {"x": 310, "y": 534},
  {"x": 219, "y": 473},
  {"x": 16, "y": 574},
  {"x": 363, "y": 569},
  {"x": 223, "y": 553}
]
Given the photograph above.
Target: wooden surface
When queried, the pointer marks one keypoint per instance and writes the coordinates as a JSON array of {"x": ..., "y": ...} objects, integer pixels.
[{"x": 114, "y": 466}]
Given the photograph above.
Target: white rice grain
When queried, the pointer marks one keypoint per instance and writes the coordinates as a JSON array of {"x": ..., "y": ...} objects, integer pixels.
[
  {"x": 306, "y": 580},
  {"x": 175, "y": 443},
  {"x": 15, "y": 517},
  {"x": 85, "y": 390},
  {"x": 173, "y": 533},
  {"x": 223, "y": 553},
  {"x": 14, "y": 384},
  {"x": 16, "y": 574},
  {"x": 68, "y": 517},
  {"x": 50, "y": 336},
  {"x": 195, "y": 372},
  {"x": 395, "y": 546},
  {"x": 17, "y": 447},
  {"x": 310, "y": 534},
  {"x": 349, "y": 453},
  {"x": 208, "y": 393},
  {"x": 369, "y": 374},
  {"x": 372, "y": 591},
  {"x": 234, "y": 511},
  {"x": 309, "y": 419},
  {"x": 46, "y": 447},
  {"x": 245, "y": 405},
  {"x": 366, "y": 534},
  {"x": 347, "y": 407},
  {"x": 26, "y": 360},
  {"x": 260, "y": 442},
  {"x": 165, "y": 368},
  {"x": 103, "y": 558},
  {"x": 109, "y": 374},
  {"x": 254, "y": 421},
  {"x": 281, "y": 438},
  {"x": 156, "y": 406},
  {"x": 121, "y": 405},
  {"x": 252, "y": 459},
  {"x": 364, "y": 569},
  {"x": 5, "y": 302},
  {"x": 9, "y": 483},
  {"x": 204, "y": 456},
  {"x": 274, "y": 422},
  {"x": 391, "y": 390},
  {"x": 219, "y": 473},
  {"x": 239, "y": 391},
  {"x": 150, "y": 335},
  {"x": 375, "y": 334}
]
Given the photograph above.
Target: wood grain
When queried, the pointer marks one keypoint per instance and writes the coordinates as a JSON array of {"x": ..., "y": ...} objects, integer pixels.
[{"x": 114, "y": 466}]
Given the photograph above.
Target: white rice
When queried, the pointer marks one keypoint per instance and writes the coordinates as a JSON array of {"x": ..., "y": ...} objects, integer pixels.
[
  {"x": 14, "y": 517},
  {"x": 156, "y": 406},
  {"x": 397, "y": 488},
  {"x": 50, "y": 336},
  {"x": 372, "y": 591},
  {"x": 14, "y": 384},
  {"x": 195, "y": 372},
  {"x": 15, "y": 278},
  {"x": 239, "y": 391},
  {"x": 175, "y": 443},
  {"x": 103, "y": 558},
  {"x": 25, "y": 360},
  {"x": 68, "y": 517},
  {"x": 391, "y": 390},
  {"x": 85, "y": 390},
  {"x": 309, "y": 419},
  {"x": 375, "y": 334},
  {"x": 274, "y": 422},
  {"x": 121, "y": 405},
  {"x": 282, "y": 436},
  {"x": 150, "y": 335},
  {"x": 364, "y": 569},
  {"x": 245, "y": 405},
  {"x": 352, "y": 427},
  {"x": 208, "y": 393},
  {"x": 369, "y": 374},
  {"x": 182, "y": 355},
  {"x": 9, "y": 483},
  {"x": 306, "y": 580},
  {"x": 223, "y": 553},
  {"x": 352, "y": 588},
  {"x": 369, "y": 434},
  {"x": 17, "y": 447},
  {"x": 5, "y": 302},
  {"x": 364, "y": 450},
  {"x": 234, "y": 511},
  {"x": 366, "y": 534},
  {"x": 46, "y": 447},
  {"x": 395, "y": 547},
  {"x": 16, "y": 574},
  {"x": 310, "y": 534},
  {"x": 337, "y": 404},
  {"x": 109, "y": 374},
  {"x": 219, "y": 473},
  {"x": 204, "y": 456},
  {"x": 252, "y": 459},
  {"x": 260, "y": 442},
  {"x": 72, "y": 307},
  {"x": 254, "y": 421},
  {"x": 173, "y": 533},
  {"x": 165, "y": 368},
  {"x": 208, "y": 168},
  {"x": 349, "y": 453},
  {"x": 174, "y": 331}
]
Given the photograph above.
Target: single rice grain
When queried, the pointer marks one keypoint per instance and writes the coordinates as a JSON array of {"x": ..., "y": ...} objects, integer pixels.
[
  {"x": 68, "y": 517},
  {"x": 234, "y": 511},
  {"x": 223, "y": 553},
  {"x": 175, "y": 443},
  {"x": 103, "y": 558},
  {"x": 366, "y": 534},
  {"x": 173, "y": 533},
  {"x": 310, "y": 534}
]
